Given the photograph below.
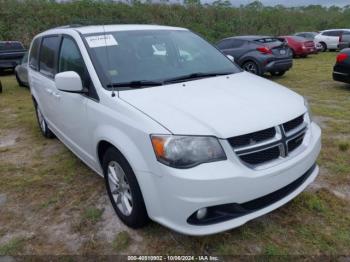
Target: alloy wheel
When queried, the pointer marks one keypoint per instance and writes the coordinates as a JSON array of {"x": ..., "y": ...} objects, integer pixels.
[
  {"x": 120, "y": 188},
  {"x": 41, "y": 119},
  {"x": 250, "y": 67}
]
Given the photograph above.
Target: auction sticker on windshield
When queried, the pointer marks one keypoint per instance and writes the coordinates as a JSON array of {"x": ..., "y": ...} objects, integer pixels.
[{"x": 101, "y": 40}]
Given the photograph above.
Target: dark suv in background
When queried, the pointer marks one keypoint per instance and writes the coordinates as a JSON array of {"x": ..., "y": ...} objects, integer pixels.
[
  {"x": 258, "y": 54},
  {"x": 11, "y": 54}
]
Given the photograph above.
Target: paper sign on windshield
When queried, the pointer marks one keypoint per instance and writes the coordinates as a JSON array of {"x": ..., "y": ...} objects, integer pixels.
[{"x": 101, "y": 40}]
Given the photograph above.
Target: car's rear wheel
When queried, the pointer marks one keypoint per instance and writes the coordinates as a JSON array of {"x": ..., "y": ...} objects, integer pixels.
[
  {"x": 251, "y": 67},
  {"x": 123, "y": 189},
  {"x": 278, "y": 73},
  {"x": 324, "y": 47},
  {"x": 45, "y": 130}
]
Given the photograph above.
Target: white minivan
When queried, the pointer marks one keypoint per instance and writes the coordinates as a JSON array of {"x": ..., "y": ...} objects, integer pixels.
[{"x": 179, "y": 132}]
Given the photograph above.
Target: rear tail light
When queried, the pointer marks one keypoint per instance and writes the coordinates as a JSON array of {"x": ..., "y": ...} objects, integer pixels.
[
  {"x": 264, "y": 50},
  {"x": 341, "y": 57}
]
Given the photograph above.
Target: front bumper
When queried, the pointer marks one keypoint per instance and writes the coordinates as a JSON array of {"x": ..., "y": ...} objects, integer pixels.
[
  {"x": 279, "y": 65},
  {"x": 174, "y": 195}
]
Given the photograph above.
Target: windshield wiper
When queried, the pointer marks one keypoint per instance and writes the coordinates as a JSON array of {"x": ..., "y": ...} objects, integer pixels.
[
  {"x": 195, "y": 76},
  {"x": 147, "y": 83},
  {"x": 136, "y": 84}
]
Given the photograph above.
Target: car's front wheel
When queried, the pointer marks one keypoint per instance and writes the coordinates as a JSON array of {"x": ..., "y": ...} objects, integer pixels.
[
  {"x": 123, "y": 189},
  {"x": 278, "y": 73},
  {"x": 251, "y": 67},
  {"x": 45, "y": 130}
]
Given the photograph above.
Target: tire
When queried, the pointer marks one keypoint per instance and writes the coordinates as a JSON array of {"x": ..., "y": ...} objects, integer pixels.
[
  {"x": 20, "y": 83},
  {"x": 251, "y": 67},
  {"x": 279, "y": 73},
  {"x": 123, "y": 189},
  {"x": 324, "y": 47},
  {"x": 45, "y": 130}
]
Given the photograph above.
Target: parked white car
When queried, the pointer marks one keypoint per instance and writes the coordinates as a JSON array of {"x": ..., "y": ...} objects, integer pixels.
[
  {"x": 329, "y": 39},
  {"x": 183, "y": 137}
]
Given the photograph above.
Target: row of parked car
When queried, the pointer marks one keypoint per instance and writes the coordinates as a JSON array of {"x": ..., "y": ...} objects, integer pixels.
[
  {"x": 254, "y": 53},
  {"x": 266, "y": 54}
]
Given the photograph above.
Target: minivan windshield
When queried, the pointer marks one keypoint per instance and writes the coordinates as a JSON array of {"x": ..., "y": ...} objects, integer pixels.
[{"x": 154, "y": 57}]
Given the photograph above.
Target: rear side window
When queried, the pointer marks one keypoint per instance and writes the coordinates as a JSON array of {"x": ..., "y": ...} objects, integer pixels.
[
  {"x": 298, "y": 39},
  {"x": 268, "y": 40},
  {"x": 236, "y": 43},
  {"x": 224, "y": 44},
  {"x": 333, "y": 33},
  {"x": 25, "y": 58},
  {"x": 230, "y": 43},
  {"x": 48, "y": 55},
  {"x": 34, "y": 54}
]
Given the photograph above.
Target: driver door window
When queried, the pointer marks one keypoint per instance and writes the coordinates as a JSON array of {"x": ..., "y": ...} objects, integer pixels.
[{"x": 70, "y": 59}]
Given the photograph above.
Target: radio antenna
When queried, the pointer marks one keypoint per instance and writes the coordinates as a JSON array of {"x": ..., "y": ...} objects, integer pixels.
[{"x": 107, "y": 57}]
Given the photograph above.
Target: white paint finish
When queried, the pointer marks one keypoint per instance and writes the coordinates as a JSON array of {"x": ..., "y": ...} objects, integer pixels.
[
  {"x": 220, "y": 106},
  {"x": 68, "y": 81}
]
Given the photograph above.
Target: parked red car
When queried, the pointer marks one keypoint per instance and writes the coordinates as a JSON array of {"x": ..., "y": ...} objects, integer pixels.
[{"x": 300, "y": 46}]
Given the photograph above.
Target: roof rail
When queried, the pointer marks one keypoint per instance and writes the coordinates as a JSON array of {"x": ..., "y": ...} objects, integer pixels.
[{"x": 69, "y": 26}]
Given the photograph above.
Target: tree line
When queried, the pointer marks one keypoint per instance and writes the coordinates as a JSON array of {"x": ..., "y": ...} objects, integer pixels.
[{"x": 22, "y": 19}]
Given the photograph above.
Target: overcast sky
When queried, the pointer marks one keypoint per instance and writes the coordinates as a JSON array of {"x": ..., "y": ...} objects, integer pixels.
[
  {"x": 273, "y": 2},
  {"x": 294, "y": 2}
]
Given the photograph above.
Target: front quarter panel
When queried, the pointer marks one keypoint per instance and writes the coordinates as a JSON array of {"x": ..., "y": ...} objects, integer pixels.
[{"x": 125, "y": 127}]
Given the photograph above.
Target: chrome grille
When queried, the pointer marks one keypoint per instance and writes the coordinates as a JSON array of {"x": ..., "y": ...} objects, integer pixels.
[{"x": 261, "y": 147}]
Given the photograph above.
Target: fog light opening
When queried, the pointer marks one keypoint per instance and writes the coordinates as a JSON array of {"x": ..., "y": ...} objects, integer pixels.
[{"x": 201, "y": 213}]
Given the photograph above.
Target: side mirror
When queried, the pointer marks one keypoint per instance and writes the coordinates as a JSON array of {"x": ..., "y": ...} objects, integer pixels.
[
  {"x": 69, "y": 82},
  {"x": 231, "y": 58}
]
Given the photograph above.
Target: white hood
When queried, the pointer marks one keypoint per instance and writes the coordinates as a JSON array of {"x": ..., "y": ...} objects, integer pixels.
[{"x": 220, "y": 106}]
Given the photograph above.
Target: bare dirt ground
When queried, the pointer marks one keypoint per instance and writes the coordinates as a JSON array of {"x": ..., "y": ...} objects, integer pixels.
[{"x": 52, "y": 204}]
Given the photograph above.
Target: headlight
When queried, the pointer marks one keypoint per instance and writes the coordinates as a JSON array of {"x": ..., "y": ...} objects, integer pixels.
[
  {"x": 186, "y": 151},
  {"x": 307, "y": 105}
]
